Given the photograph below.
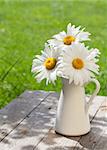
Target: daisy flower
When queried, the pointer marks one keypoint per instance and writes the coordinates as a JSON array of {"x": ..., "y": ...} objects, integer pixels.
[
  {"x": 73, "y": 35},
  {"x": 78, "y": 64},
  {"x": 45, "y": 65}
]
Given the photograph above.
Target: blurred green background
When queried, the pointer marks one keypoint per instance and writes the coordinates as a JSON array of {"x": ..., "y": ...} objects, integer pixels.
[{"x": 26, "y": 25}]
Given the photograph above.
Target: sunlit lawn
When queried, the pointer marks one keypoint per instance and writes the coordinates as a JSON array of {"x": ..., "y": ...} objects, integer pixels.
[{"x": 25, "y": 27}]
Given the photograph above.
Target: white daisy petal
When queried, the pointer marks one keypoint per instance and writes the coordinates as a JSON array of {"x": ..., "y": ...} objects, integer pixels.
[
  {"x": 40, "y": 76},
  {"x": 93, "y": 53},
  {"x": 54, "y": 42},
  {"x": 69, "y": 28},
  {"x": 83, "y": 36},
  {"x": 37, "y": 69},
  {"x": 78, "y": 64},
  {"x": 58, "y": 37},
  {"x": 45, "y": 66},
  {"x": 37, "y": 62},
  {"x": 63, "y": 34},
  {"x": 73, "y": 35}
]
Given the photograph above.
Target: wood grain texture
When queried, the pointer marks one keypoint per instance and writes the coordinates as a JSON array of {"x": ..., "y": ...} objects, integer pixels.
[
  {"x": 97, "y": 138},
  {"x": 53, "y": 141},
  {"x": 33, "y": 128},
  {"x": 18, "y": 109}
]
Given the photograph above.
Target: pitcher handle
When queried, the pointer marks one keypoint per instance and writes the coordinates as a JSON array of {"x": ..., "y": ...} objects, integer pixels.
[{"x": 94, "y": 94}]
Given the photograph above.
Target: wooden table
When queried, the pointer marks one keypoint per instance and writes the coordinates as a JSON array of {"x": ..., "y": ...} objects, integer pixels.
[{"x": 27, "y": 123}]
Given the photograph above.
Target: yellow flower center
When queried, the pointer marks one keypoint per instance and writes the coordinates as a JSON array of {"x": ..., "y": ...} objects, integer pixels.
[
  {"x": 50, "y": 63},
  {"x": 68, "y": 40},
  {"x": 78, "y": 63}
]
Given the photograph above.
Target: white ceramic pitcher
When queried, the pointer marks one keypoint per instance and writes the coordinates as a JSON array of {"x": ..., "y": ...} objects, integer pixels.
[{"x": 72, "y": 117}]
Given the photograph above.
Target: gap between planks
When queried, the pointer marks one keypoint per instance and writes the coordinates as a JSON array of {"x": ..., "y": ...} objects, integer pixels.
[
  {"x": 66, "y": 142},
  {"x": 40, "y": 122},
  {"x": 32, "y": 128},
  {"x": 97, "y": 139},
  {"x": 5, "y": 129}
]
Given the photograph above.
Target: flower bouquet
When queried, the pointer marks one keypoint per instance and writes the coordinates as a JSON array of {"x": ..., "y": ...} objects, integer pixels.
[{"x": 66, "y": 56}]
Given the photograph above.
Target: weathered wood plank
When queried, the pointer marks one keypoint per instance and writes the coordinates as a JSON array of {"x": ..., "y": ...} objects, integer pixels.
[
  {"x": 97, "y": 138},
  {"x": 53, "y": 141},
  {"x": 102, "y": 143},
  {"x": 33, "y": 128},
  {"x": 36, "y": 130},
  {"x": 17, "y": 110}
]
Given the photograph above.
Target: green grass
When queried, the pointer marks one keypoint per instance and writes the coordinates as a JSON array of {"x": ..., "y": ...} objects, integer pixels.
[{"x": 26, "y": 25}]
